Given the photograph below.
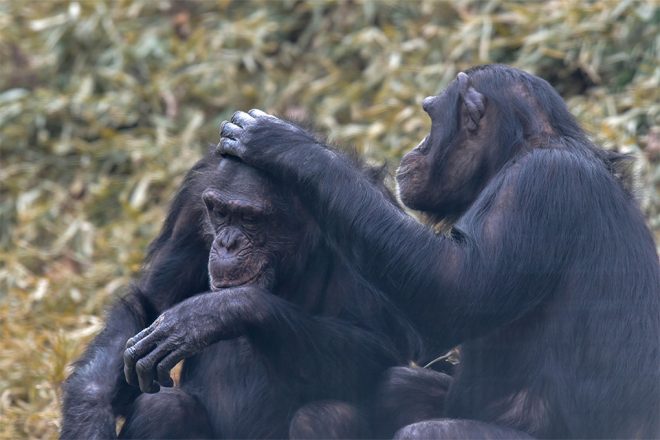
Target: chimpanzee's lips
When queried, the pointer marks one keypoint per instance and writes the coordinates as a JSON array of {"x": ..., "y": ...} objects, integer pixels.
[
  {"x": 218, "y": 284},
  {"x": 227, "y": 272}
]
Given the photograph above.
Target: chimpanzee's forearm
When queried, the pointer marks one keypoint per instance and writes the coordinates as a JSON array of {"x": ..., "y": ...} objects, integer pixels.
[
  {"x": 293, "y": 341},
  {"x": 424, "y": 273}
]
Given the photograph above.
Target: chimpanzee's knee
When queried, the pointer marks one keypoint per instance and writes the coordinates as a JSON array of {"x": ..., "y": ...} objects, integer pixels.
[
  {"x": 170, "y": 413},
  {"x": 328, "y": 420}
]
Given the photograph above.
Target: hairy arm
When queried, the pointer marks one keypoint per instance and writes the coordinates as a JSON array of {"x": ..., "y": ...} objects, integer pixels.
[
  {"x": 96, "y": 392},
  {"x": 306, "y": 347},
  {"x": 499, "y": 263}
]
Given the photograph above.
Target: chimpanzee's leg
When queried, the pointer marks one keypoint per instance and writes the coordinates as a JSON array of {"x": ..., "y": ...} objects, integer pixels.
[
  {"x": 454, "y": 429},
  {"x": 328, "y": 419},
  {"x": 170, "y": 413},
  {"x": 407, "y": 395}
]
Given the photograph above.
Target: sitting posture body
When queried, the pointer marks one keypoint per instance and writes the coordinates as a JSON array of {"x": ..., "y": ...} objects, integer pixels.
[
  {"x": 279, "y": 335},
  {"x": 549, "y": 279}
]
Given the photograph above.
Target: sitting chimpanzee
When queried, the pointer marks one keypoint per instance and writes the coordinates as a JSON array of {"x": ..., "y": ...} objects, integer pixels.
[
  {"x": 549, "y": 279},
  {"x": 267, "y": 315}
]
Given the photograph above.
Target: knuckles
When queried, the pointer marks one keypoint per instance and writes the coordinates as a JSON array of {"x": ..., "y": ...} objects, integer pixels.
[{"x": 239, "y": 135}]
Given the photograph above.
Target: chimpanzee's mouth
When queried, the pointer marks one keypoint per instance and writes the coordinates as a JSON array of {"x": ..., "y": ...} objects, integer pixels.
[{"x": 219, "y": 284}]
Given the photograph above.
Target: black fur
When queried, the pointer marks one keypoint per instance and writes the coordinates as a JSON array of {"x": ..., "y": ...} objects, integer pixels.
[
  {"x": 316, "y": 344},
  {"x": 549, "y": 281}
]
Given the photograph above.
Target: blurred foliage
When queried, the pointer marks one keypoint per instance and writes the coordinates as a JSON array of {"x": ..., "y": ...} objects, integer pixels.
[{"x": 105, "y": 104}]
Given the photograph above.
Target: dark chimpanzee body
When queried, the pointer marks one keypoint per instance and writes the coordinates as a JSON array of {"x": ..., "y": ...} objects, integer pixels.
[
  {"x": 549, "y": 281},
  {"x": 287, "y": 325}
]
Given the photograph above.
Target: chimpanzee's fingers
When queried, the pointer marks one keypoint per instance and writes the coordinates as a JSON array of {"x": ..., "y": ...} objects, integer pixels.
[
  {"x": 231, "y": 147},
  {"x": 129, "y": 372},
  {"x": 242, "y": 119},
  {"x": 165, "y": 366},
  {"x": 148, "y": 386},
  {"x": 146, "y": 369},
  {"x": 256, "y": 113},
  {"x": 136, "y": 352},
  {"x": 230, "y": 131},
  {"x": 144, "y": 333}
]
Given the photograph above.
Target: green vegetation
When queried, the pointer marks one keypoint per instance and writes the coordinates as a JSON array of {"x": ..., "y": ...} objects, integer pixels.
[{"x": 105, "y": 104}]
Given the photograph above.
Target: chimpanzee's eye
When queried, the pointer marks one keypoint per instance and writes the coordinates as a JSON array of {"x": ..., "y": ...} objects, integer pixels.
[{"x": 217, "y": 213}]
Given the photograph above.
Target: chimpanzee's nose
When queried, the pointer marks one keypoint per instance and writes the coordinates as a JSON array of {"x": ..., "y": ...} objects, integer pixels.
[
  {"x": 229, "y": 240},
  {"x": 232, "y": 241}
]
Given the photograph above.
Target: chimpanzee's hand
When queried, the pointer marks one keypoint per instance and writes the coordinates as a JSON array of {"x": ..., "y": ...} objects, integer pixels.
[
  {"x": 180, "y": 332},
  {"x": 262, "y": 140}
]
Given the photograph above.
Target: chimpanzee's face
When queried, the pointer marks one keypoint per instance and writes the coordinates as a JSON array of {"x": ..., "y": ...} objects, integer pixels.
[
  {"x": 445, "y": 172},
  {"x": 259, "y": 231}
]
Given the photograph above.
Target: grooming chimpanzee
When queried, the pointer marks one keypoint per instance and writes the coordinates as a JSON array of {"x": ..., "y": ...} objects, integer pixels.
[
  {"x": 273, "y": 325},
  {"x": 550, "y": 279}
]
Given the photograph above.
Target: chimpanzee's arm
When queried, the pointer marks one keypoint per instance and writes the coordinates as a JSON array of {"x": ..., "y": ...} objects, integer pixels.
[
  {"x": 176, "y": 268},
  {"x": 96, "y": 392},
  {"x": 498, "y": 265},
  {"x": 345, "y": 358}
]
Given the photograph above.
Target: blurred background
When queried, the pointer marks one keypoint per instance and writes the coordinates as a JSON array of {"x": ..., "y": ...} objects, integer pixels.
[{"x": 105, "y": 104}]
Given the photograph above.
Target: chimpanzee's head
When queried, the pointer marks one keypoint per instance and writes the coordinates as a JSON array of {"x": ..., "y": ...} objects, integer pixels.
[
  {"x": 479, "y": 122},
  {"x": 259, "y": 230}
]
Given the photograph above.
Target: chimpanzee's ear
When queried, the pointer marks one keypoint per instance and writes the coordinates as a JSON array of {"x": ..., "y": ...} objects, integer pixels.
[{"x": 474, "y": 102}]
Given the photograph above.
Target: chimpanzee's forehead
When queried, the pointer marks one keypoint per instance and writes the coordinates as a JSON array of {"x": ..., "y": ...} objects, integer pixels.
[{"x": 235, "y": 176}]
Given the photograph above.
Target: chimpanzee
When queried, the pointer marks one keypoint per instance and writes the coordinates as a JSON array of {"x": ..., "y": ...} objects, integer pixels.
[
  {"x": 279, "y": 334},
  {"x": 549, "y": 279}
]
